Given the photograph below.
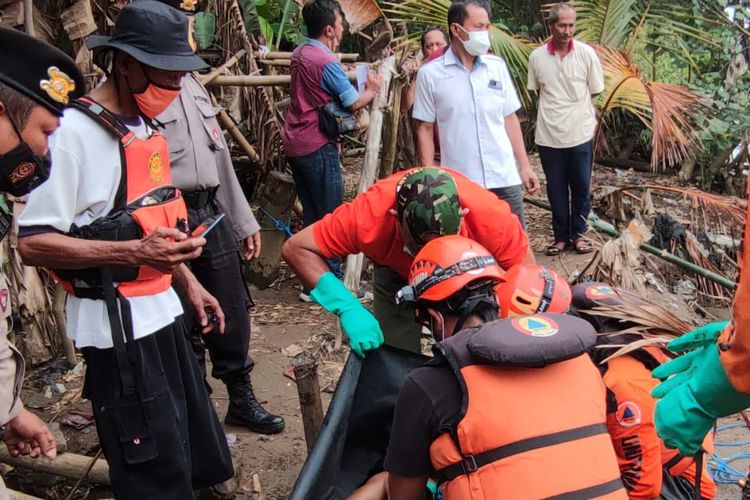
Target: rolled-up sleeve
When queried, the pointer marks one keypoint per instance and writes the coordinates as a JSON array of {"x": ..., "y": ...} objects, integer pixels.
[{"x": 336, "y": 83}]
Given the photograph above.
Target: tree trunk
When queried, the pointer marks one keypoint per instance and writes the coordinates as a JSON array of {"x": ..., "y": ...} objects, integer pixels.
[
  {"x": 67, "y": 465},
  {"x": 277, "y": 198},
  {"x": 370, "y": 163},
  {"x": 391, "y": 130}
]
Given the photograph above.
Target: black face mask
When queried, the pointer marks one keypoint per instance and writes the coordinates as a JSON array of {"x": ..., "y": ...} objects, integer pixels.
[{"x": 21, "y": 170}]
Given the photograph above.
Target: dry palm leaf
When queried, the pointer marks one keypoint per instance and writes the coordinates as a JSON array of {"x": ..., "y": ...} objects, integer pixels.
[
  {"x": 620, "y": 257},
  {"x": 703, "y": 203},
  {"x": 656, "y": 325},
  {"x": 664, "y": 108}
]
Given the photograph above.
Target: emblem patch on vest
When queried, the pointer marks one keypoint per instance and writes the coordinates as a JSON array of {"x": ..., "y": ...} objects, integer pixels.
[
  {"x": 536, "y": 326},
  {"x": 628, "y": 414},
  {"x": 599, "y": 292},
  {"x": 155, "y": 167}
]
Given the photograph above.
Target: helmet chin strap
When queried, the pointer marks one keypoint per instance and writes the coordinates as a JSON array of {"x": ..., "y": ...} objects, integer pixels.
[
  {"x": 469, "y": 307},
  {"x": 442, "y": 327}
]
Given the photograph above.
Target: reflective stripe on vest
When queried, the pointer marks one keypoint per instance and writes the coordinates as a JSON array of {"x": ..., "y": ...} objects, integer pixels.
[
  {"x": 144, "y": 171},
  {"x": 529, "y": 433}
]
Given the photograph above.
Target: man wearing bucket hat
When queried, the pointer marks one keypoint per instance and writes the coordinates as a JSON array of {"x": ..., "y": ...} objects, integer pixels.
[
  {"x": 389, "y": 223},
  {"x": 202, "y": 169},
  {"x": 36, "y": 81},
  {"x": 111, "y": 225}
]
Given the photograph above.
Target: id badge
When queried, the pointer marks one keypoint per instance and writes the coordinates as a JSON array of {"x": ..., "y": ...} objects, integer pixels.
[{"x": 497, "y": 86}]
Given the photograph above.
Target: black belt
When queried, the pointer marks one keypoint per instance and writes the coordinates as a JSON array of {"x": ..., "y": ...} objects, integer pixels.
[{"x": 200, "y": 198}]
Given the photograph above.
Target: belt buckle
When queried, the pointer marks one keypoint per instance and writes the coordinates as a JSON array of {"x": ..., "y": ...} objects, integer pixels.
[{"x": 469, "y": 464}]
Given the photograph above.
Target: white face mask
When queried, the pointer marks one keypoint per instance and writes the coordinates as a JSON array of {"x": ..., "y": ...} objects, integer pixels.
[{"x": 478, "y": 43}]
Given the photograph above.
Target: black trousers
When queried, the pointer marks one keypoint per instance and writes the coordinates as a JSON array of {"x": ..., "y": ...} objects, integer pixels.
[
  {"x": 219, "y": 270},
  {"x": 166, "y": 440}
]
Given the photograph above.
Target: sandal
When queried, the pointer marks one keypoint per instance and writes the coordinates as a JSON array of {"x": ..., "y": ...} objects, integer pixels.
[
  {"x": 556, "y": 248},
  {"x": 582, "y": 246}
]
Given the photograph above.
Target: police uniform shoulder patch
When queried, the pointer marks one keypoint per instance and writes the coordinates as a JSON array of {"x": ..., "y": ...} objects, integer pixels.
[
  {"x": 628, "y": 414},
  {"x": 536, "y": 326},
  {"x": 58, "y": 86}
]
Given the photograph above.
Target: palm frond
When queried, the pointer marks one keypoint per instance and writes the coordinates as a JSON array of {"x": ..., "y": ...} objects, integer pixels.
[
  {"x": 662, "y": 107},
  {"x": 605, "y": 22},
  {"x": 654, "y": 324},
  {"x": 703, "y": 203}
]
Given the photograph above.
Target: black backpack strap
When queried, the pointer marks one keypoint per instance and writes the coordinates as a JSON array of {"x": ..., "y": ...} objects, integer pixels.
[
  {"x": 101, "y": 115},
  {"x": 108, "y": 120}
]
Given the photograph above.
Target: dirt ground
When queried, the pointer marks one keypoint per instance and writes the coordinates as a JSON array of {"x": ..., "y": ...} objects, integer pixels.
[{"x": 267, "y": 466}]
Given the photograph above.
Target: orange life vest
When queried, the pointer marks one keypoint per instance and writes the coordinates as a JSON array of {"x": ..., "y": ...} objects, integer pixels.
[
  {"x": 642, "y": 456},
  {"x": 145, "y": 197},
  {"x": 534, "y": 430}
]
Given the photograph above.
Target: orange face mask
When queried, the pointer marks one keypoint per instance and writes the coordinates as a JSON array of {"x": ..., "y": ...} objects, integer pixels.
[{"x": 155, "y": 99}]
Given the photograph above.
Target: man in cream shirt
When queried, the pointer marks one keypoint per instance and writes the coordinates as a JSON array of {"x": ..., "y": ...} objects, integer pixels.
[{"x": 566, "y": 73}]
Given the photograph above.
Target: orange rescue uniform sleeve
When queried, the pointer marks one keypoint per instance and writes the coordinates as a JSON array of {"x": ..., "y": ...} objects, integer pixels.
[
  {"x": 631, "y": 427},
  {"x": 355, "y": 226},
  {"x": 491, "y": 223},
  {"x": 735, "y": 351}
]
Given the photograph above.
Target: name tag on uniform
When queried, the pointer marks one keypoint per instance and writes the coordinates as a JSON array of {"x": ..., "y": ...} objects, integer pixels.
[{"x": 496, "y": 85}]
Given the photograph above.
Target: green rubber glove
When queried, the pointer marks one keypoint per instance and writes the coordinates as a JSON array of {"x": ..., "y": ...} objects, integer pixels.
[
  {"x": 683, "y": 367},
  {"x": 359, "y": 324},
  {"x": 697, "y": 393}
]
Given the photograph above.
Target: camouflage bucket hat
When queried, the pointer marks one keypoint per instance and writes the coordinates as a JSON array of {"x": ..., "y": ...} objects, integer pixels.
[{"x": 427, "y": 204}]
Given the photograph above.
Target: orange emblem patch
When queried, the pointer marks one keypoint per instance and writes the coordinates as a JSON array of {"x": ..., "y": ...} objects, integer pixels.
[{"x": 155, "y": 167}]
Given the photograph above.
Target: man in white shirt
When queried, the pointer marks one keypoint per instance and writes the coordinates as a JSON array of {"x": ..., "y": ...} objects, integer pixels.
[
  {"x": 470, "y": 96},
  {"x": 157, "y": 427},
  {"x": 566, "y": 73}
]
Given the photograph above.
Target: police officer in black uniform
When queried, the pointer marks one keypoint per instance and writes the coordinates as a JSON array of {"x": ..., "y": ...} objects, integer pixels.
[
  {"x": 202, "y": 169},
  {"x": 36, "y": 82}
]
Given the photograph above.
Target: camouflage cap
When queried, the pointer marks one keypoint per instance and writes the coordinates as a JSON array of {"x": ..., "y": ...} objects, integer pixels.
[{"x": 427, "y": 204}]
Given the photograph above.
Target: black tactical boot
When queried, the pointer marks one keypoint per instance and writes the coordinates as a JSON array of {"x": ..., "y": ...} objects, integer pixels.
[{"x": 246, "y": 411}]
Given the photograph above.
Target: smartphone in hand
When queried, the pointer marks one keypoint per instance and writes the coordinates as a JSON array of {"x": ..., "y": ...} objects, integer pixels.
[{"x": 205, "y": 227}]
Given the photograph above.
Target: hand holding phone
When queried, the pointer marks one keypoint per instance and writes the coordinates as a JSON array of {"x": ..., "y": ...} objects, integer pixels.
[{"x": 205, "y": 227}]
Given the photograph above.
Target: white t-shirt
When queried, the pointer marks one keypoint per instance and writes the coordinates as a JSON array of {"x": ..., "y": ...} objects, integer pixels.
[
  {"x": 82, "y": 186},
  {"x": 566, "y": 116},
  {"x": 469, "y": 108}
]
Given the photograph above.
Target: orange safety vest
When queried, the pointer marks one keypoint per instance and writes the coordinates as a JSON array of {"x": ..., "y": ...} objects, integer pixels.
[
  {"x": 526, "y": 431},
  {"x": 641, "y": 454},
  {"x": 145, "y": 193}
]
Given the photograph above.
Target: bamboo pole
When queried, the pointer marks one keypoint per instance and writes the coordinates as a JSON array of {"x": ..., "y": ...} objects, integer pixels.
[
  {"x": 68, "y": 465},
  {"x": 370, "y": 163},
  {"x": 288, "y": 55},
  {"x": 217, "y": 71},
  {"x": 28, "y": 16},
  {"x": 228, "y": 124},
  {"x": 259, "y": 80},
  {"x": 275, "y": 62},
  {"x": 308, "y": 388},
  {"x": 662, "y": 254}
]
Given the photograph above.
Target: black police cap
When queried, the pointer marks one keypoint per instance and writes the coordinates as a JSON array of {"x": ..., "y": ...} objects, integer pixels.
[{"x": 39, "y": 70}]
